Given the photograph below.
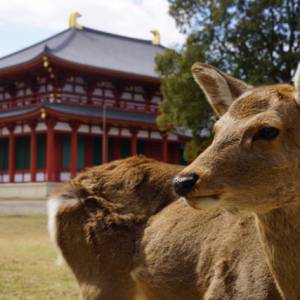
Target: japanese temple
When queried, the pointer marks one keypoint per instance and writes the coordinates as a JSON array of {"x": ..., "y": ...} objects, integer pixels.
[{"x": 79, "y": 98}]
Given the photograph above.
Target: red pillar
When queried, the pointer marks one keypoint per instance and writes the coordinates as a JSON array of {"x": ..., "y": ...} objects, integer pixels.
[
  {"x": 11, "y": 154},
  {"x": 104, "y": 145},
  {"x": 74, "y": 149},
  {"x": 134, "y": 141},
  {"x": 165, "y": 148},
  {"x": 177, "y": 153},
  {"x": 33, "y": 153},
  {"x": 50, "y": 167}
]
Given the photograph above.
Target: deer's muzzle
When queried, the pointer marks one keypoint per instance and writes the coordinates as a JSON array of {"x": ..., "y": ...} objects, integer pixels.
[{"x": 184, "y": 184}]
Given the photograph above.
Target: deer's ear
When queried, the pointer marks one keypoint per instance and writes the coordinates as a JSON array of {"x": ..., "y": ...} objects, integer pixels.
[
  {"x": 220, "y": 89},
  {"x": 297, "y": 84}
]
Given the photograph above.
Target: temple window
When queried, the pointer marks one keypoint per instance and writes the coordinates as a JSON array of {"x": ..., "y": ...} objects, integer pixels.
[
  {"x": 20, "y": 93},
  {"x": 3, "y": 155},
  {"x": 140, "y": 147},
  {"x": 66, "y": 151},
  {"x": 68, "y": 87},
  {"x": 127, "y": 96},
  {"x": 81, "y": 152},
  {"x": 97, "y": 150},
  {"x": 156, "y": 99},
  {"x": 125, "y": 148},
  {"x": 98, "y": 92},
  {"x": 7, "y": 95},
  {"x": 42, "y": 89},
  {"x": 79, "y": 89},
  {"x": 22, "y": 152},
  {"x": 108, "y": 93},
  {"x": 79, "y": 80}
]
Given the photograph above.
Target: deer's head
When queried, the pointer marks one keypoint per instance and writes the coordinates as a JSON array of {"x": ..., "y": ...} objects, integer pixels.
[{"x": 253, "y": 163}]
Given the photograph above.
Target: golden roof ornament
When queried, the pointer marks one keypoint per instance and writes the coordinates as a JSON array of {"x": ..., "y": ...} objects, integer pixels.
[
  {"x": 73, "y": 20},
  {"x": 45, "y": 62},
  {"x": 43, "y": 113},
  {"x": 156, "y": 37}
]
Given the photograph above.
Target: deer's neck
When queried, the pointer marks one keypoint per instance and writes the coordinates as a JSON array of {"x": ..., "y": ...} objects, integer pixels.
[{"x": 279, "y": 231}]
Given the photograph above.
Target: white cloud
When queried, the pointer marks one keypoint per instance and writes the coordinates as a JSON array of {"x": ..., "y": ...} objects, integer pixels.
[{"x": 126, "y": 17}]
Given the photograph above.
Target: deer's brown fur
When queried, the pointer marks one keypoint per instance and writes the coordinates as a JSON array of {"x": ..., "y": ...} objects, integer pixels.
[
  {"x": 96, "y": 219},
  {"x": 194, "y": 254},
  {"x": 104, "y": 229},
  {"x": 243, "y": 172}
]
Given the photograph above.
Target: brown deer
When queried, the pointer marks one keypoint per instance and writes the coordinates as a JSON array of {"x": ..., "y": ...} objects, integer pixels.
[
  {"x": 101, "y": 221},
  {"x": 119, "y": 225},
  {"x": 96, "y": 220},
  {"x": 253, "y": 165}
]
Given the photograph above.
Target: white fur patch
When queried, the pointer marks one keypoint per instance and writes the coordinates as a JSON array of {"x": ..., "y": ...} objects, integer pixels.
[
  {"x": 297, "y": 83},
  {"x": 53, "y": 205},
  {"x": 226, "y": 121}
]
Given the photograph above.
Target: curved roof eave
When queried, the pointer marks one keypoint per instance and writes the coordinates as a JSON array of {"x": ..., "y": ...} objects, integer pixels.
[
  {"x": 52, "y": 58},
  {"x": 33, "y": 112},
  {"x": 12, "y": 70},
  {"x": 16, "y": 115},
  {"x": 95, "y": 119},
  {"x": 104, "y": 71}
]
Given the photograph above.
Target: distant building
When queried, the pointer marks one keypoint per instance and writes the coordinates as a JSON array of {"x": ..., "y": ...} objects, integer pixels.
[{"x": 77, "y": 99}]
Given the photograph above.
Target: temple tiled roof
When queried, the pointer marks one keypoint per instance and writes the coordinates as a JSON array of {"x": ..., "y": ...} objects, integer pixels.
[
  {"x": 85, "y": 111},
  {"x": 17, "y": 112},
  {"x": 111, "y": 114},
  {"x": 92, "y": 48}
]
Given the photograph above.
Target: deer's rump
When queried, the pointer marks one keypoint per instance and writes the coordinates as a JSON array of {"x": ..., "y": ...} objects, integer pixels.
[{"x": 190, "y": 254}]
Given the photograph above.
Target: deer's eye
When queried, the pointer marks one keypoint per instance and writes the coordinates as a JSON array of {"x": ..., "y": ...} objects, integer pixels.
[{"x": 266, "y": 133}]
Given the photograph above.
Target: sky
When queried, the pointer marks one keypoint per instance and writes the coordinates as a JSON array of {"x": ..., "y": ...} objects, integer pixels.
[{"x": 25, "y": 22}]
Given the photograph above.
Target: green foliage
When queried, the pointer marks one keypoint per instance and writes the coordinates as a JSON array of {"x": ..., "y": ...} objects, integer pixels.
[
  {"x": 184, "y": 105},
  {"x": 194, "y": 147},
  {"x": 257, "y": 41}
]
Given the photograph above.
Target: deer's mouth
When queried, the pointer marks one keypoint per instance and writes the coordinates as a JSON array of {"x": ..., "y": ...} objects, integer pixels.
[{"x": 203, "y": 202}]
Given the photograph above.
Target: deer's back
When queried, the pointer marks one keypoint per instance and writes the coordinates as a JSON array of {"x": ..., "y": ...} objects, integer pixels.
[{"x": 191, "y": 254}]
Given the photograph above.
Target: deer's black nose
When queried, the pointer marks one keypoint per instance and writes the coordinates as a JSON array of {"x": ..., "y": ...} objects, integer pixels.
[{"x": 183, "y": 184}]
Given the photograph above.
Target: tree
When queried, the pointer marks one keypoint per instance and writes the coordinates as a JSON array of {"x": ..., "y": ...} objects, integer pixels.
[{"x": 257, "y": 41}]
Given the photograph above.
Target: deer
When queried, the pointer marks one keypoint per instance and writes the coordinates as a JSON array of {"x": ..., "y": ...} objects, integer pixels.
[
  {"x": 253, "y": 166},
  {"x": 125, "y": 235},
  {"x": 95, "y": 221},
  {"x": 223, "y": 227}
]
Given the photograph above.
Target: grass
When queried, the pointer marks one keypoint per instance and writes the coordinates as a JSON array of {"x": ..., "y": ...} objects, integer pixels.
[{"x": 27, "y": 262}]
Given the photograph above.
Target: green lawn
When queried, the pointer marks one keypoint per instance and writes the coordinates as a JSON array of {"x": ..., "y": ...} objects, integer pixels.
[{"x": 28, "y": 267}]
